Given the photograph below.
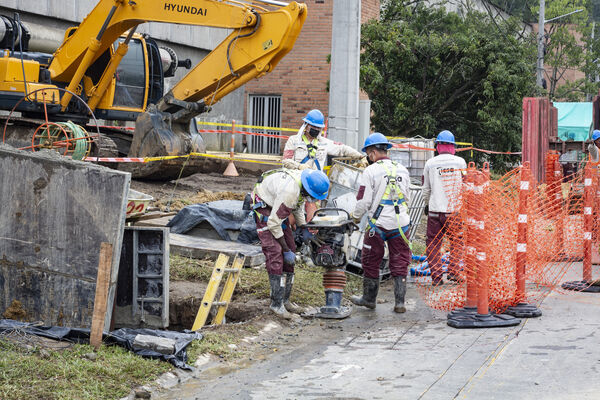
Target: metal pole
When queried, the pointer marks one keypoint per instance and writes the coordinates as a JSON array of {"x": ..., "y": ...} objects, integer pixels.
[{"x": 540, "y": 56}]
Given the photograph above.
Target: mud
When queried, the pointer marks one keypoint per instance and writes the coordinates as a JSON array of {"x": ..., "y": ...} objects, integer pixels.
[
  {"x": 185, "y": 299},
  {"x": 198, "y": 188}
]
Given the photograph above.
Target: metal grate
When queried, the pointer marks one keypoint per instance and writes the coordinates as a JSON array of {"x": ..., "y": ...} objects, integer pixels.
[{"x": 264, "y": 111}]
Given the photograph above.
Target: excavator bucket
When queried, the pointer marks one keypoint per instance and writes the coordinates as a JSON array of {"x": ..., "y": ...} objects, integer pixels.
[{"x": 157, "y": 135}]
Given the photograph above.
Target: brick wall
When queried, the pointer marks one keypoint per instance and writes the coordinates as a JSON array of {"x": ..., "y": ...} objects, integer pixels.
[{"x": 302, "y": 75}]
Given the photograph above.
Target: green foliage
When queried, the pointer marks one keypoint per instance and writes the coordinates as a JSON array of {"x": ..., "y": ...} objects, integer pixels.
[{"x": 426, "y": 70}]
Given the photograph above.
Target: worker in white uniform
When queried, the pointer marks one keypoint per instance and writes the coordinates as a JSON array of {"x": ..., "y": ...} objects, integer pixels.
[
  {"x": 442, "y": 188},
  {"x": 278, "y": 195},
  {"x": 383, "y": 194},
  {"x": 309, "y": 149}
]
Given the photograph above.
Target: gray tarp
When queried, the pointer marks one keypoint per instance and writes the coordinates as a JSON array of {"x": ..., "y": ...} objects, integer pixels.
[
  {"x": 123, "y": 337},
  {"x": 222, "y": 215}
]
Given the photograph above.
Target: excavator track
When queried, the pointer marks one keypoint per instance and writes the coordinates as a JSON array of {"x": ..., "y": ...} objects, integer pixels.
[{"x": 112, "y": 142}]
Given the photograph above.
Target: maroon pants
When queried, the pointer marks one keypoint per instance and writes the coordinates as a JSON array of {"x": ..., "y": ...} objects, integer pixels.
[
  {"x": 373, "y": 251},
  {"x": 271, "y": 247},
  {"x": 437, "y": 225}
]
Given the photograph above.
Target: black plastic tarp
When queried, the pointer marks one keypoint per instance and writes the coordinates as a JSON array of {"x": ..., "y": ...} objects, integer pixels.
[
  {"x": 122, "y": 337},
  {"x": 222, "y": 215}
]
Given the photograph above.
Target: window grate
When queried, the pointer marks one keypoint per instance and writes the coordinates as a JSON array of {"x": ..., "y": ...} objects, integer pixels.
[{"x": 264, "y": 111}]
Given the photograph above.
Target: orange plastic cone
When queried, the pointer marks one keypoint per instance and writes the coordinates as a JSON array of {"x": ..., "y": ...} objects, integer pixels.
[{"x": 230, "y": 170}]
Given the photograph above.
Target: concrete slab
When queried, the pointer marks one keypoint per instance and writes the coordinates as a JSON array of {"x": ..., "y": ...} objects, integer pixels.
[
  {"x": 196, "y": 247},
  {"x": 55, "y": 213}
]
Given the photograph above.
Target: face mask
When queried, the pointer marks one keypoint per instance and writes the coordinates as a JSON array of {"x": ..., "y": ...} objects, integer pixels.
[{"x": 313, "y": 132}]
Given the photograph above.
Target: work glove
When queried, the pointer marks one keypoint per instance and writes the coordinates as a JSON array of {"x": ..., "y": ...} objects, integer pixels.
[
  {"x": 289, "y": 257},
  {"x": 303, "y": 166},
  {"x": 363, "y": 163},
  {"x": 305, "y": 234},
  {"x": 426, "y": 210}
]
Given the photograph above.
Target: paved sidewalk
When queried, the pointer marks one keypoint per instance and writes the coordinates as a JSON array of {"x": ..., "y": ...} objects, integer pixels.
[{"x": 380, "y": 355}]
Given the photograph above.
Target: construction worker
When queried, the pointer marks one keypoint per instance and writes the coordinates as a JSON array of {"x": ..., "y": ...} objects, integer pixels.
[
  {"x": 383, "y": 195},
  {"x": 309, "y": 149},
  {"x": 442, "y": 183},
  {"x": 279, "y": 194},
  {"x": 594, "y": 148}
]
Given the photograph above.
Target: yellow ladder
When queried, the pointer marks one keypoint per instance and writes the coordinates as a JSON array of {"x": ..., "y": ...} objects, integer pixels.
[{"x": 208, "y": 301}]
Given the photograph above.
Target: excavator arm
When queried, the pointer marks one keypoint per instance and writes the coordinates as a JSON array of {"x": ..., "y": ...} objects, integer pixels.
[{"x": 263, "y": 31}]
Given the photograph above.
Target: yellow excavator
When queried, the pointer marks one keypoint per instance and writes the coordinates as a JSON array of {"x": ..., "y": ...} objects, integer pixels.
[{"x": 104, "y": 70}]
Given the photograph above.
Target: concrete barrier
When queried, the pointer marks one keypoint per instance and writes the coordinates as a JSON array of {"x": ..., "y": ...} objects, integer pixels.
[{"x": 54, "y": 213}]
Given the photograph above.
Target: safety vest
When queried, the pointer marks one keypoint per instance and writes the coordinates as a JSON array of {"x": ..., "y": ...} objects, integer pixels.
[
  {"x": 386, "y": 199},
  {"x": 261, "y": 204},
  {"x": 311, "y": 147}
]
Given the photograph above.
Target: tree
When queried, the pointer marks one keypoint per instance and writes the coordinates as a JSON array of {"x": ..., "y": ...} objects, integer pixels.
[
  {"x": 426, "y": 70},
  {"x": 570, "y": 46}
]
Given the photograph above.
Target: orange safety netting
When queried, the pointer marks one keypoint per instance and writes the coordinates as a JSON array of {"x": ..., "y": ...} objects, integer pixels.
[{"x": 510, "y": 240}]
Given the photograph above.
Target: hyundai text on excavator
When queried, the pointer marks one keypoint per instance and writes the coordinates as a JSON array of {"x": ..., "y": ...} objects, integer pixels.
[{"x": 104, "y": 70}]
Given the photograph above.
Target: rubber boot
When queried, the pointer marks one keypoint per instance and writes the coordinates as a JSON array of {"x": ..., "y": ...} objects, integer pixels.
[
  {"x": 289, "y": 283},
  {"x": 369, "y": 297},
  {"x": 277, "y": 292},
  {"x": 399, "y": 293}
]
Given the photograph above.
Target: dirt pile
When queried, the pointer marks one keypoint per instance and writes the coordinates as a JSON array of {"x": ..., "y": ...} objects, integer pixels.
[
  {"x": 15, "y": 311},
  {"x": 205, "y": 196}
]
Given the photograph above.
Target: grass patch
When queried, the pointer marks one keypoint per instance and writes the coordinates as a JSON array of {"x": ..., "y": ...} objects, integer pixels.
[
  {"x": 418, "y": 247},
  {"x": 218, "y": 341},
  {"x": 254, "y": 282},
  {"x": 68, "y": 374}
]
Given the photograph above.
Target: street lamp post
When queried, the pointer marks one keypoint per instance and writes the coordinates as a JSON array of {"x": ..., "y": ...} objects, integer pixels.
[{"x": 540, "y": 50}]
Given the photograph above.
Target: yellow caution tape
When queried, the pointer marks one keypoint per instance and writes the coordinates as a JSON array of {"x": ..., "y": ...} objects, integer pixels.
[
  {"x": 269, "y": 128},
  {"x": 150, "y": 159}
]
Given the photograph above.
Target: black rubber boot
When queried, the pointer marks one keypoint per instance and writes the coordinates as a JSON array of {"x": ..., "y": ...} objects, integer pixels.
[
  {"x": 399, "y": 293},
  {"x": 289, "y": 283},
  {"x": 369, "y": 297},
  {"x": 277, "y": 292}
]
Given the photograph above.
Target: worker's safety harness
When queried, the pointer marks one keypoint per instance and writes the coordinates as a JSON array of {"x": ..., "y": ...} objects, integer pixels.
[
  {"x": 312, "y": 148},
  {"x": 386, "y": 200},
  {"x": 258, "y": 203}
]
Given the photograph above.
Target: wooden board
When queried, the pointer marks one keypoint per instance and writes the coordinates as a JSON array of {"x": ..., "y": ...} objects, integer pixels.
[
  {"x": 100, "y": 300},
  {"x": 195, "y": 247}
]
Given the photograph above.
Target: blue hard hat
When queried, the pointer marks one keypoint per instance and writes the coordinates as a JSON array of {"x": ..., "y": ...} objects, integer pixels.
[
  {"x": 445, "y": 137},
  {"x": 376, "y": 138},
  {"x": 595, "y": 134},
  {"x": 316, "y": 183},
  {"x": 315, "y": 118}
]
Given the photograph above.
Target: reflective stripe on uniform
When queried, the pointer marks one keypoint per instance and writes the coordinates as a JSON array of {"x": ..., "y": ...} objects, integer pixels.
[{"x": 387, "y": 200}]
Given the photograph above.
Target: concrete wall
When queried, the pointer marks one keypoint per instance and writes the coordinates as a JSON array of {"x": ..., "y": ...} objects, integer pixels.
[{"x": 55, "y": 213}]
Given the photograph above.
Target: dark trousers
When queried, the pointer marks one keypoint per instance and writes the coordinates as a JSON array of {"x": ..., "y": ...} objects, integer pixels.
[
  {"x": 373, "y": 251},
  {"x": 437, "y": 225},
  {"x": 271, "y": 247}
]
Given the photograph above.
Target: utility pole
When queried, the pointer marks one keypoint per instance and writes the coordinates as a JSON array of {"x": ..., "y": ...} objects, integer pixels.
[
  {"x": 540, "y": 37},
  {"x": 540, "y": 55}
]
